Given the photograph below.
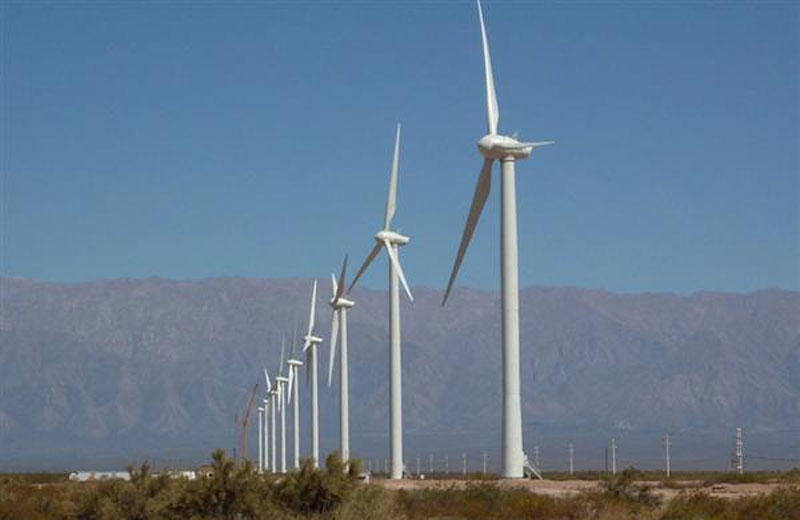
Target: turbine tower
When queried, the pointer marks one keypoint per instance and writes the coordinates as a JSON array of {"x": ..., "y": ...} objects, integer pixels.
[
  {"x": 339, "y": 304},
  {"x": 392, "y": 241},
  {"x": 310, "y": 348},
  {"x": 265, "y": 429},
  {"x": 260, "y": 464},
  {"x": 507, "y": 150},
  {"x": 274, "y": 432},
  {"x": 294, "y": 374},
  {"x": 282, "y": 405},
  {"x": 270, "y": 435}
]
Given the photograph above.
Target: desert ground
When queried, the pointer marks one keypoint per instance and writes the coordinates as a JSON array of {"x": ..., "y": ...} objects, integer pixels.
[{"x": 562, "y": 488}]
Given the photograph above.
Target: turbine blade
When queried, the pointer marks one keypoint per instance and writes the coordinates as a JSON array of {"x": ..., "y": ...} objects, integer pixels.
[
  {"x": 492, "y": 110},
  {"x": 391, "y": 201},
  {"x": 334, "y": 338},
  {"x": 291, "y": 381},
  {"x": 370, "y": 257},
  {"x": 334, "y": 286},
  {"x": 478, "y": 201},
  {"x": 269, "y": 383},
  {"x": 342, "y": 279},
  {"x": 283, "y": 352},
  {"x": 294, "y": 339},
  {"x": 312, "y": 312},
  {"x": 396, "y": 263}
]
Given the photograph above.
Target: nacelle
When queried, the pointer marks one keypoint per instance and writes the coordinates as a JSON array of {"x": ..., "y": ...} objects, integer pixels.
[
  {"x": 341, "y": 302},
  {"x": 499, "y": 147},
  {"x": 392, "y": 237}
]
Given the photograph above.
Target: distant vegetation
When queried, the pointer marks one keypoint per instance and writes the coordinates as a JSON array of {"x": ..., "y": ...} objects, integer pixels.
[{"x": 335, "y": 492}]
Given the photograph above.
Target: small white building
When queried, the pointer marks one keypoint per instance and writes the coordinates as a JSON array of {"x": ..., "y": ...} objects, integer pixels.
[{"x": 92, "y": 476}]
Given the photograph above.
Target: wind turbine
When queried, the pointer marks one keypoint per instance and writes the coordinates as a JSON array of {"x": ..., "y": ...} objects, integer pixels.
[
  {"x": 310, "y": 348},
  {"x": 267, "y": 407},
  {"x": 339, "y": 304},
  {"x": 282, "y": 405},
  {"x": 391, "y": 240},
  {"x": 294, "y": 374},
  {"x": 507, "y": 150}
]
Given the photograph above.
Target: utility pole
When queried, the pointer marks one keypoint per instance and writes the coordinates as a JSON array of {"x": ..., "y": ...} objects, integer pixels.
[
  {"x": 571, "y": 459},
  {"x": 430, "y": 463},
  {"x": 369, "y": 465},
  {"x": 667, "y": 444},
  {"x": 417, "y": 464},
  {"x": 464, "y": 463},
  {"x": 386, "y": 466},
  {"x": 739, "y": 452},
  {"x": 484, "y": 462},
  {"x": 446, "y": 464},
  {"x": 613, "y": 456},
  {"x": 536, "y": 457}
]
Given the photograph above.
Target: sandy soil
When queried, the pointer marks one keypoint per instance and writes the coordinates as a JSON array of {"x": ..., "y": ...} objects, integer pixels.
[{"x": 559, "y": 488}]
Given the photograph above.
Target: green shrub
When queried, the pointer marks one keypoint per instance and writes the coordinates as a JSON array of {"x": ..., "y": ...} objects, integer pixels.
[{"x": 309, "y": 490}]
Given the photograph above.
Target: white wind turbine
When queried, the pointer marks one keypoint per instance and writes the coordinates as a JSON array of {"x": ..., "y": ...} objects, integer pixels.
[
  {"x": 281, "y": 390},
  {"x": 507, "y": 150},
  {"x": 310, "y": 348},
  {"x": 391, "y": 240},
  {"x": 339, "y": 304},
  {"x": 294, "y": 374}
]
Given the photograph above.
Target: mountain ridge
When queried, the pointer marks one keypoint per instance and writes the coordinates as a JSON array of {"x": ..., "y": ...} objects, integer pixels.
[{"x": 171, "y": 361}]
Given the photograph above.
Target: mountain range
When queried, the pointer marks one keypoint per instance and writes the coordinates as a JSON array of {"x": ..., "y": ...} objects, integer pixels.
[{"x": 96, "y": 374}]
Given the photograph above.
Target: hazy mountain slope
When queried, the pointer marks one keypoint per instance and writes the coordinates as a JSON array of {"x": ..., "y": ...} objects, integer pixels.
[{"x": 109, "y": 369}]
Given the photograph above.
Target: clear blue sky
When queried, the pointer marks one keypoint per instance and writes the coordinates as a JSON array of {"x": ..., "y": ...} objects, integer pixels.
[{"x": 254, "y": 139}]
